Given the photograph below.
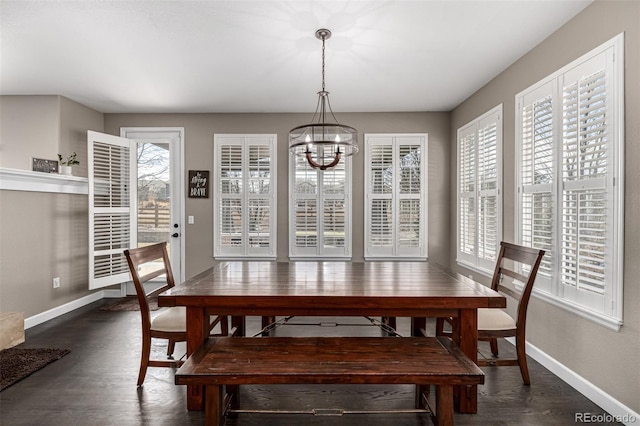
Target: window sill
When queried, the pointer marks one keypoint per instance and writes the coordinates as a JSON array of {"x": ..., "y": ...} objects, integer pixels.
[
  {"x": 246, "y": 258},
  {"x": 395, "y": 259},
  {"x": 473, "y": 268},
  {"x": 25, "y": 180},
  {"x": 320, "y": 258},
  {"x": 593, "y": 316}
]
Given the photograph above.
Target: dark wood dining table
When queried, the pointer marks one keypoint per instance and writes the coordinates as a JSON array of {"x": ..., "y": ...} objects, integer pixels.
[{"x": 332, "y": 288}]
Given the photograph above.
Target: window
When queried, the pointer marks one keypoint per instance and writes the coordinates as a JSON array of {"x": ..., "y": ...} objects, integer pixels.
[
  {"x": 320, "y": 210},
  {"x": 570, "y": 188},
  {"x": 244, "y": 196},
  {"x": 479, "y": 191},
  {"x": 396, "y": 196}
]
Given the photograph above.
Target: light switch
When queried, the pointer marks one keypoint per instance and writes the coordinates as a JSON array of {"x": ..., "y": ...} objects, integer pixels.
[{"x": 190, "y": 220}]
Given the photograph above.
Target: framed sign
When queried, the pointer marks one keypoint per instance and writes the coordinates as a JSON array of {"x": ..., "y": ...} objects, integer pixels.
[
  {"x": 198, "y": 184},
  {"x": 45, "y": 166}
]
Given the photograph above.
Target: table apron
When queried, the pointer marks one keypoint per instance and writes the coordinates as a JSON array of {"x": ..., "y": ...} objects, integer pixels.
[{"x": 340, "y": 311}]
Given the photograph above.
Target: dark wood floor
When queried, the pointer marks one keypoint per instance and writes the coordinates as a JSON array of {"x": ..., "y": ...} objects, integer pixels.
[{"x": 96, "y": 385}]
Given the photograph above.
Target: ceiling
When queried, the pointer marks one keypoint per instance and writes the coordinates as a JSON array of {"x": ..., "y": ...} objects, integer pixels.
[{"x": 161, "y": 56}]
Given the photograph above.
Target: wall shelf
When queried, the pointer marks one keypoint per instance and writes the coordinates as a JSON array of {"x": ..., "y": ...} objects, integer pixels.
[{"x": 25, "y": 180}]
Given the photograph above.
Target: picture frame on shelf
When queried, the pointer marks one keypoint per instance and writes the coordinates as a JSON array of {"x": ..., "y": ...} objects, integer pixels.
[{"x": 44, "y": 166}]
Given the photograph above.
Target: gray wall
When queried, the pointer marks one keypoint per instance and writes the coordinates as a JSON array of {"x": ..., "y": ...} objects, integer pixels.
[
  {"x": 44, "y": 235},
  {"x": 607, "y": 359},
  {"x": 199, "y": 132}
]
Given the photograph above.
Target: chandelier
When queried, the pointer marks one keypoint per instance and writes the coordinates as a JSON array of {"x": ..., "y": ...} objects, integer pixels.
[{"x": 324, "y": 141}]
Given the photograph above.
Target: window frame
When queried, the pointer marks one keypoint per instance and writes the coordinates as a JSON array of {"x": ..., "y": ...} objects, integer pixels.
[
  {"x": 245, "y": 141},
  {"x": 550, "y": 287},
  {"x": 473, "y": 261},
  {"x": 395, "y": 251}
]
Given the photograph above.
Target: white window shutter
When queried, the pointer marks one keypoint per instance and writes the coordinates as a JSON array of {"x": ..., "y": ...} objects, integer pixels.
[
  {"x": 479, "y": 229},
  {"x": 111, "y": 208},
  {"x": 536, "y": 155},
  {"x": 245, "y": 200},
  {"x": 585, "y": 166},
  {"x": 467, "y": 221},
  {"x": 396, "y": 200},
  {"x": 570, "y": 156},
  {"x": 320, "y": 210},
  {"x": 381, "y": 215}
]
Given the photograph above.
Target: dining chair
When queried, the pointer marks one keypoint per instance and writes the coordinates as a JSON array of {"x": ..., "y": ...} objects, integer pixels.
[
  {"x": 145, "y": 264},
  {"x": 521, "y": 264}
]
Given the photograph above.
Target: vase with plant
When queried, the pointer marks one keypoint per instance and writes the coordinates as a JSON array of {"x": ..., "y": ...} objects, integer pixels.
[{"x": 67, "y": 163}]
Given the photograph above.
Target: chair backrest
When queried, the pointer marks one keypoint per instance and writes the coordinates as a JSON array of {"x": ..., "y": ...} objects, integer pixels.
[
  {"x": 506, "y": 265},
  {"x": 145, "y": 264}
]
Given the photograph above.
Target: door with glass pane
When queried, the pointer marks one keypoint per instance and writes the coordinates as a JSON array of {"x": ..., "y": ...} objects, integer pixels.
[{"x": 159, "y": 190}]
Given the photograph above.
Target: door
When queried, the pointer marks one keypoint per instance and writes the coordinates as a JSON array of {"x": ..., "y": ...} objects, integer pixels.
[
  {"x": 159, "y": 182},
  {"x": 119, "y": 170}
]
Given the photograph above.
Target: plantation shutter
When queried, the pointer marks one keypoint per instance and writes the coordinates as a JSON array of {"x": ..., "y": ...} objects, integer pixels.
[
  {"x": 570, "y": 133},
  {"x": 467, "y": 226},
  {"x": 395, "y": 211},
  {"x": 320, "y": 210},
  {"x": 381, "y": 214},
  {"x": 537, "y": 177},
  {"x": 334, "y": 226},
  {"x": 586, "y": 197},
  {"x": 111, "y": 208},
  {"x": 245, "y": 204},
  {"x": 479, "y": 182},
  {"x": 305, "y": 209},
  {"x": 410, "y": 201},
  {"x": 488, "y": 192}
]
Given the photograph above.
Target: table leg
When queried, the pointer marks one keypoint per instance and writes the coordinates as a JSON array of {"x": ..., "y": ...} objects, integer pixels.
[
  {"x": 197, "y": 331},
  {"x": 466, "y": 336}
]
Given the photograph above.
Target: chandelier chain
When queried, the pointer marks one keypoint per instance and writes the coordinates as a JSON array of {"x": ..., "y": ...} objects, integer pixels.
[{"x": 323, "y": 64}]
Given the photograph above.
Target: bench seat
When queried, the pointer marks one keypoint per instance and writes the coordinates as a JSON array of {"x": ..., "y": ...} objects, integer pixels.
[{"x": 421, "y": 361}]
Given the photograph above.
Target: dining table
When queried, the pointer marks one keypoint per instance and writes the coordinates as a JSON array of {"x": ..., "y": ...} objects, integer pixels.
[{"x": 413, "y": 289}]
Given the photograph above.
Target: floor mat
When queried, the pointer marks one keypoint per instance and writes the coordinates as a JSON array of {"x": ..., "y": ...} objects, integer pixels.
[{"x": 17, "y": 363}]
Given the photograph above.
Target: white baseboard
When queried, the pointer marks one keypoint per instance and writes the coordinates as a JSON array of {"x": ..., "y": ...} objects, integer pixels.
[
  {"x": 615, "y": 408},
  {"x": 68, "y": 307}
]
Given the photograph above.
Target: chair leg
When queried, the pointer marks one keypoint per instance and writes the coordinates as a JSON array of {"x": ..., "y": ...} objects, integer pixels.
[
  {"x": 494, "y": 346},
  {"x": 522, "y": 360},
  {"x": 171, "y": 348},
  {"x": 390, "y": 321},
  {"x": 144, "y": 358},
  {"x": 224, "y": 326}
]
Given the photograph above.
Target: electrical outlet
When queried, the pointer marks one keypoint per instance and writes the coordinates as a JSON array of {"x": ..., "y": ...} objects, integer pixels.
[
  {"x": 191, "y": 220},
  {"x": 56, "y": 282}
]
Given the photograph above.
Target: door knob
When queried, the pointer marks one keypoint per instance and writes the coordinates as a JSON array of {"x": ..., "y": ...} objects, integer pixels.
[{"x": 175, "y": 235}]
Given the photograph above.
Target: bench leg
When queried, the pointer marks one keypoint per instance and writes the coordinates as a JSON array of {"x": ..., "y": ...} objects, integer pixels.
[
  {"x": 444, "y": 405},
  {"x": 213, "y": 410},
  {"x": 422, "y": 393}
]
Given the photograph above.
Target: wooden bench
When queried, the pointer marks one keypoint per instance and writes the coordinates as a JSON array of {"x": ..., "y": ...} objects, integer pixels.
[{"x": 422, "y": 361}]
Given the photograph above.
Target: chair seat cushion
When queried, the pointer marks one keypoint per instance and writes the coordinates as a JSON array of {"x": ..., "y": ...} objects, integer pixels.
[
  {"x": 172, "y": 319},
  {"x": 494, "y": 319}
]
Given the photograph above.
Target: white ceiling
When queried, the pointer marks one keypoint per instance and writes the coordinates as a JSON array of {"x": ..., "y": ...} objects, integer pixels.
[{"x": 262, "y": 56}]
